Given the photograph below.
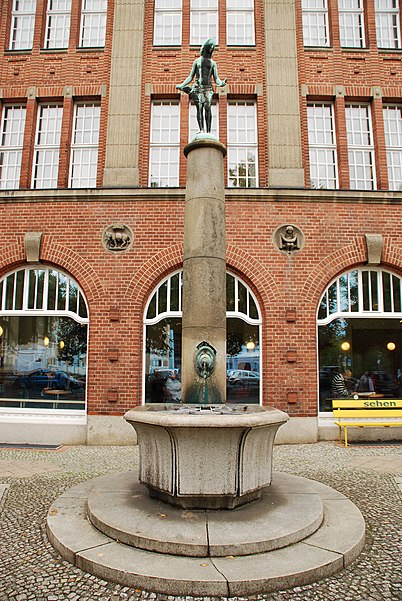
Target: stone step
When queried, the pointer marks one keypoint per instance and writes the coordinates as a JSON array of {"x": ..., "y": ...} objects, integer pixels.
[
  {"x": 120, "y": 507},
  {"x": 335, "y": 544}
]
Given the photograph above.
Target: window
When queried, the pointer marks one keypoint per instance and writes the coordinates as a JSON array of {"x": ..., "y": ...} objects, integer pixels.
[
  {"x": 203, "y": 21},
  {"x": 387, "y": 22},
  {"x": 22, "y": 24},
  {"x": 84, "y": 146},
  {"x": 43, "y": 341},
  {"x": 165, "y": 144},
  {"x": 359, "y": 331},
  {"x": 167, "y": 22},
  {"x": 360, "y": 147},
  {"x": 47, "y": 146},
  {"x": 240, "y": 23},
  {"x": 163, "y": 329},
  {"x": 57, "y": 23},
  {"x": 351, "y": 23},
  {"x": 93, "y": 23},
  {"x": 315, "y": 22},
  {"x": 393, "y": 142},
  {"x": 242, "y": 145},
  {"x": 322, "y": 146},
  {"x": 12, "y": 137}
]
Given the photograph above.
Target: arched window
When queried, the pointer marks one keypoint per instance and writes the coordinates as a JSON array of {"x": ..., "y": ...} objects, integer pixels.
[
  {"x": 43, "y": 341},
  {"x": 163, "y": 319},
  {"x": 359, "y": 335}
]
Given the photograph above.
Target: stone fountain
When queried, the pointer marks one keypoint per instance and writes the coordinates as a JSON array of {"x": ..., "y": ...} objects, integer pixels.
[{"x": 205, "y": 515}]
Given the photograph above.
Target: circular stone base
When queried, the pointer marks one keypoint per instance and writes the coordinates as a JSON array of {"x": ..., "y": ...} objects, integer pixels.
[
  {"x": 215, "y": 567},
  {"x": 120, "y": 507}
]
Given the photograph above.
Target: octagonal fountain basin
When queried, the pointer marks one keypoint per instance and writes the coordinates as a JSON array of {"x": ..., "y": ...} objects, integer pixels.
[{"x": 205, "y": 457}]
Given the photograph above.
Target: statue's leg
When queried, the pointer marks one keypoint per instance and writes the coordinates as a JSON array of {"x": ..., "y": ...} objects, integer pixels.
[
  {"x": 200, "y": 116},
  {"x": 208, "y": 116}
]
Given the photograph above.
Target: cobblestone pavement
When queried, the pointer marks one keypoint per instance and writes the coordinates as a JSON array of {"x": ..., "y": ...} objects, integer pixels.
[{"x": 30, "y": 569}]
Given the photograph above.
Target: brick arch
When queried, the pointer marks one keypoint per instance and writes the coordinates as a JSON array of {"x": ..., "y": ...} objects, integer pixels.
[
  {"x": 330, "y": 266},
  {"x": 73, "y": 263},
  {"x": 255, "y": 273},
  {"x": 151, "y": 272}
]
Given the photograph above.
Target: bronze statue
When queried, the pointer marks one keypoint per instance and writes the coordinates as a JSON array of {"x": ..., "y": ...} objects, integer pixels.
[{"x": 204, "y": 69}]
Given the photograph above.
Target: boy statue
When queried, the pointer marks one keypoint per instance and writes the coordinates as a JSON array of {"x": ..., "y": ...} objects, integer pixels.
[{"x": 204, "y": 69}]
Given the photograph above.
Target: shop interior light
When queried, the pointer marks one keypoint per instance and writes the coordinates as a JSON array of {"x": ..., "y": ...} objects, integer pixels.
[
  {"x": 391, "y": 346},
  {"x": 345, "y": 346}
]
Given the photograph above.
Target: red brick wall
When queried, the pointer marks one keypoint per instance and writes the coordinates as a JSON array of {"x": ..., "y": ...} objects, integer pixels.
[
  {"x": 358, "y": 70},
  {"x": 88, "y": 71},
  {"x": 166, "y": 67},
  {"x": 72, "y": 230}
]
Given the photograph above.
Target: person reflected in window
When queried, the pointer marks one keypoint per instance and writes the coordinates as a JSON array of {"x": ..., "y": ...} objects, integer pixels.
[
  {"x": 173, "y": 386},
  {"x": 339, "y": 389},
  {"x": 366, "y": 382}
]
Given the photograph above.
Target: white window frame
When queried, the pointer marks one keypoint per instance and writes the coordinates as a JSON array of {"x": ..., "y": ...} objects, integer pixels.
[
  {"x": 240, "y": 139},
  {"x": 388, "y": 24},
  {"x": 315, "y": 23},
  {"x": 12, "y": 140},
  {"x": 351, "y": 23},
  {"x": 47, "y": 146},
  {"x": 93, "y": 23},
  {"x": 84, "y": 145},
  {"x": 164, "y": 144},
  {"x": 58, "y": 16},
  {"x": 240, "y": 25},
  {"x": 360, "y": 152},
  {"x": 203, "y": 21},
  {"x": 22, "y": 20},
  {"x": 393, "y": 142},
  {"x": 168, "y": 23},
  {"x": 322, "y": 144}
]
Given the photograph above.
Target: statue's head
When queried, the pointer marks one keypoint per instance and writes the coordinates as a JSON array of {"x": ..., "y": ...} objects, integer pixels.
[{"x": 207, "y": 47}]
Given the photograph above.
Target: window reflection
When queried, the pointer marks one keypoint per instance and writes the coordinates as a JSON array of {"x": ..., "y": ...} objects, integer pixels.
[
  {"x": 42, "y": 362},
  {"x": 354, "y": 346}
]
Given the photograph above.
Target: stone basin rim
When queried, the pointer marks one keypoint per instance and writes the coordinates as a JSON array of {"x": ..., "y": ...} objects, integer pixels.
[{"x": 167, "y": 415}]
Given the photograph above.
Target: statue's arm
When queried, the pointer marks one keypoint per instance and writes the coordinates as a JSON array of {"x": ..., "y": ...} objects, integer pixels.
[
  {"x": 189, "y": 79},
  {"x": 219, "y": 82}
]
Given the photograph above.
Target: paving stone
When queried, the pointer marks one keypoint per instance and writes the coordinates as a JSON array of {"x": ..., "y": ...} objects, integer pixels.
[{"x": 32, "y": 567}]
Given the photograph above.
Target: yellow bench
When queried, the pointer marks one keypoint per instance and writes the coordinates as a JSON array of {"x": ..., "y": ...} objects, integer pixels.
[{"x": 366, "y": 413}]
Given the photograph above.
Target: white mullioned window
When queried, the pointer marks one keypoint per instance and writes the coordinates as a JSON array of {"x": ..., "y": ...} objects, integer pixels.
[
  {"x": 393, "y": 141},
  {"x": 22, "y": 24},
  {"x": 360, "y": 147},
  {"x": 12, "y": 138},
  {"x": 44, "y": 338},
  {"x": 167, "y": 22},
  {"x": 93, "y": 23},
  {"x": 47, "y": 146},
  {"x": 203, "y": 21},
  {"x": 84, "y": 146},
  {"x": 242, "y": 145},
  {"x": 351, "y": 23},
  {"x": 387, "y": 23},
  {"x": 240, "y": 23},
  {"x": 164, "y": 151},
  {"x": 322, "y": 145},
  {"x": 315, "y": 22},
  {"x": 58, "y": 23}
]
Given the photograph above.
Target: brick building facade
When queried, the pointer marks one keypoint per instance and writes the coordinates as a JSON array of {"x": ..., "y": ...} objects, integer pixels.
[{"x": 92, "y": 193}]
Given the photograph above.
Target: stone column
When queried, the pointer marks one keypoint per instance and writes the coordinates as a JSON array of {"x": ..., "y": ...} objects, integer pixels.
[
  {"x": 284, "y": 128},
  {"x": 204, "y": 270},
  {"x": 123, "y": 129}
]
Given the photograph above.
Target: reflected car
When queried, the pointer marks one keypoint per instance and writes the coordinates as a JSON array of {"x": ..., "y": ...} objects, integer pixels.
[
  {"x": 32, "y": 384},
  {"x": 386, "y": 384},
  {"x": 243, "y": 377}
]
